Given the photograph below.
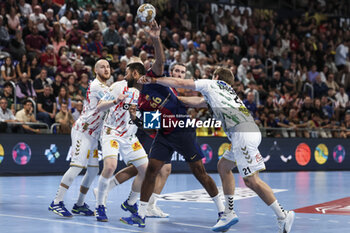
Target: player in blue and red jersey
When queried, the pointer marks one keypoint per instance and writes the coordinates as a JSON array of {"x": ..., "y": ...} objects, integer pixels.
[{"x": 163, "y": 99}]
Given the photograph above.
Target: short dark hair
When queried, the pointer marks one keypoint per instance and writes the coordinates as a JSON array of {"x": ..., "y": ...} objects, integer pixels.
[
  {"x": 8, "y": 84},
  {"x": 26, "y": 101},
  {"x": 138, "y": 66},
  {"x": 177, "y": 64}
]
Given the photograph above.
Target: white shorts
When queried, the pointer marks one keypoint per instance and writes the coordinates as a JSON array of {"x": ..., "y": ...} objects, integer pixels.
[
  {"x": 244, "y": 152},
  {"x": 129, "y": 148},
  {"x": 84, "y": 150}
]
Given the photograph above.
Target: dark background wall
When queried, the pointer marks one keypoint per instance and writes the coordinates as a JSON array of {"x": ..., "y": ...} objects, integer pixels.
[{"x": 48, "y": 154}]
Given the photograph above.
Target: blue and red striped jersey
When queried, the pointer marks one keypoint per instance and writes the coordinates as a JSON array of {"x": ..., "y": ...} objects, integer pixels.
[{"x": 155, "y": 97}]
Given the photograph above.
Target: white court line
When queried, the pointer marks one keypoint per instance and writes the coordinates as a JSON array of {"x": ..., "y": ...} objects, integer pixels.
[
  {"x": 74, "y": 223},
  {"x": 192, "y": 208},
  {"x": 209, "y": 209},
  {"x": 261, "y": 214},
  {"x": 333, "y": 221},
  {"x": 192, "y": 225},
  {"x": 314, "y": 219},
  {"x": 22, "y": 195}
]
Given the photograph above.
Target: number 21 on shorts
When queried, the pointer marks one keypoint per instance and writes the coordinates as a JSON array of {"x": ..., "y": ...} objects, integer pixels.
[{"x": 246, "y": 171}]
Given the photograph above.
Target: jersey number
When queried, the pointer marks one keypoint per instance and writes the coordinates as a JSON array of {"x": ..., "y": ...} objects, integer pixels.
[
  {"x": 246, "y": 171},
  {"x": 155, "y": 102}
]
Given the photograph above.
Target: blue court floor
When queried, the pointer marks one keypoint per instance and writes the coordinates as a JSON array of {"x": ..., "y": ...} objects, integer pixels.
[{"x": 24, "y": 202}]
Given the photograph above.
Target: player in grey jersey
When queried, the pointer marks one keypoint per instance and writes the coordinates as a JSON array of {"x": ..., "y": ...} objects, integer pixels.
[{"x": 245, "y": 138}]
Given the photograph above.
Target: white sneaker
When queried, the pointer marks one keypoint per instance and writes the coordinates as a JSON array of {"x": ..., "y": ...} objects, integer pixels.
[
  {"x": 155, "y": 212},
  {"x": 285, "y": 225},
  {"x": 225, "y": 222},
  {"x": 95, "y": 190}
]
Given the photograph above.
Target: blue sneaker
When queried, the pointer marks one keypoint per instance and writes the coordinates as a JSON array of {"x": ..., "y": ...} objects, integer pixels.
[
  {"x": 60, "y": 209},
  {"x": 100, "y": 214},
  {"x": 134, "y": 219},
  {"x": 225, "y": 222},
  {"x": 82, "y": 210},
  {"x": 131, "y": 208}
]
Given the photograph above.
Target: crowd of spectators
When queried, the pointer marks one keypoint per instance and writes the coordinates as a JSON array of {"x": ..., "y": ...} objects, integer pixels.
[{"x": 292, "y": 72}]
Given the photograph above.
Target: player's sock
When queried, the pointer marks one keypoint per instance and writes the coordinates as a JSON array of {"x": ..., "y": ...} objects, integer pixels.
[
  {"x": 153, "y": 199},
  {"x": 60, "y": 194},
  {"x": 219, "y": 203},
  {"x": 102, "y": 187},
  {"x": 88, "y": 178},
  {"x": 229, "y": 203},
  {"x": 66, "y": 181},
  {"x": 112, "y": 183},
  {"x": 278, "y": 209},
  {"x": 132, "y": 199},
  {"x": 142, "y": 209},
  {"x": 81, "y": 198}
]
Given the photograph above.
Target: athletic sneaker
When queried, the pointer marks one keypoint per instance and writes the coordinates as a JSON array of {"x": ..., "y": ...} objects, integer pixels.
[
  {"x": 95, "y": 190},
  {"x": 155, "y": 212},
  {"x": 100, "y": 214},
  {"x": 134, "y": 219},
  {"x": 131, "y": 208},
  {"x": 285, "y": 225},
  {"x": 225, "y": 222},
  {"x": 82, "y": 210},
  {"x": 60, "y": 209},
  {"x": 220, "y": 214}
]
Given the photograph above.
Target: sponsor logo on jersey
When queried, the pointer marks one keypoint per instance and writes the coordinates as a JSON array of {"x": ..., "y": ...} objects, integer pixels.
[
  {"x": 258, "y": 158},
  {"x": 95, "y": 154},
  {"x": 136, "y": 146},
  {"x": 114, "y": 144}
]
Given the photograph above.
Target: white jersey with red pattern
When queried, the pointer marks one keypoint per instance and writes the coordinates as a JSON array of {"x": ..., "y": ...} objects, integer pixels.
[
  {"x": 118, "y": 121},
  {"x": 90, "y": 120}
]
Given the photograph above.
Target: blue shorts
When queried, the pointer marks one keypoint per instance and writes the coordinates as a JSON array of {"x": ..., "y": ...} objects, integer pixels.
[{"x": 182, "y": 141}]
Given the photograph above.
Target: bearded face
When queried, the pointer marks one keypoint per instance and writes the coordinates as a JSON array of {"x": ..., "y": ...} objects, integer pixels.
[{"x": 103, "y": 70}]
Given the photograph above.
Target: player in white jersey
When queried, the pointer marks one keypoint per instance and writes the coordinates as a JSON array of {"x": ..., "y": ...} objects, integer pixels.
[
  {"x": 119, "y": 136},
  {"x": 245, "y": 138},
  {"x": 85, "y": 134}
]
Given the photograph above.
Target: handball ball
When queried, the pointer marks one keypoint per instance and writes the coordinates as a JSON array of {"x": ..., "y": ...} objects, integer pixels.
[{"x": 146, "y": 13}]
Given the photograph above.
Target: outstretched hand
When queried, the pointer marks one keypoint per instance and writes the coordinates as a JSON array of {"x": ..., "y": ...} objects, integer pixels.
[
  {"x": 154, "y": 29},
  {"x": 144, "y": 80}
]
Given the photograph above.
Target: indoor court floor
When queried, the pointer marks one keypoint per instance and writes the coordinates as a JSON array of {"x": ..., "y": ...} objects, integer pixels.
[{"x": 24, "y": 202}]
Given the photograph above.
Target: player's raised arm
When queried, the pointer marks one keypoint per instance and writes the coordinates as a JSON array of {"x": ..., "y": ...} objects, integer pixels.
[
  {"x": 193, "y": 101},
  {"x": 154, "y": 32},
  {"x": 169, "y": 82}
]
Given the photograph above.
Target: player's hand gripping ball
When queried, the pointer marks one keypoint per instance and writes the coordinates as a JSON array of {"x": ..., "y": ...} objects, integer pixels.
[{"x": 146, "y": 13}]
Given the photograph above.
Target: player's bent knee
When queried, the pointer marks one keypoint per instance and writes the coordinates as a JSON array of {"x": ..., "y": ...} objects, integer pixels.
[
  {"x": 197, "y": 167},
  {"x": 165, "y": 171},
  {"x": 251, "y": 182},
  {"x": 152, "y": 170},
  {"x": 223, "y": 167}
]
